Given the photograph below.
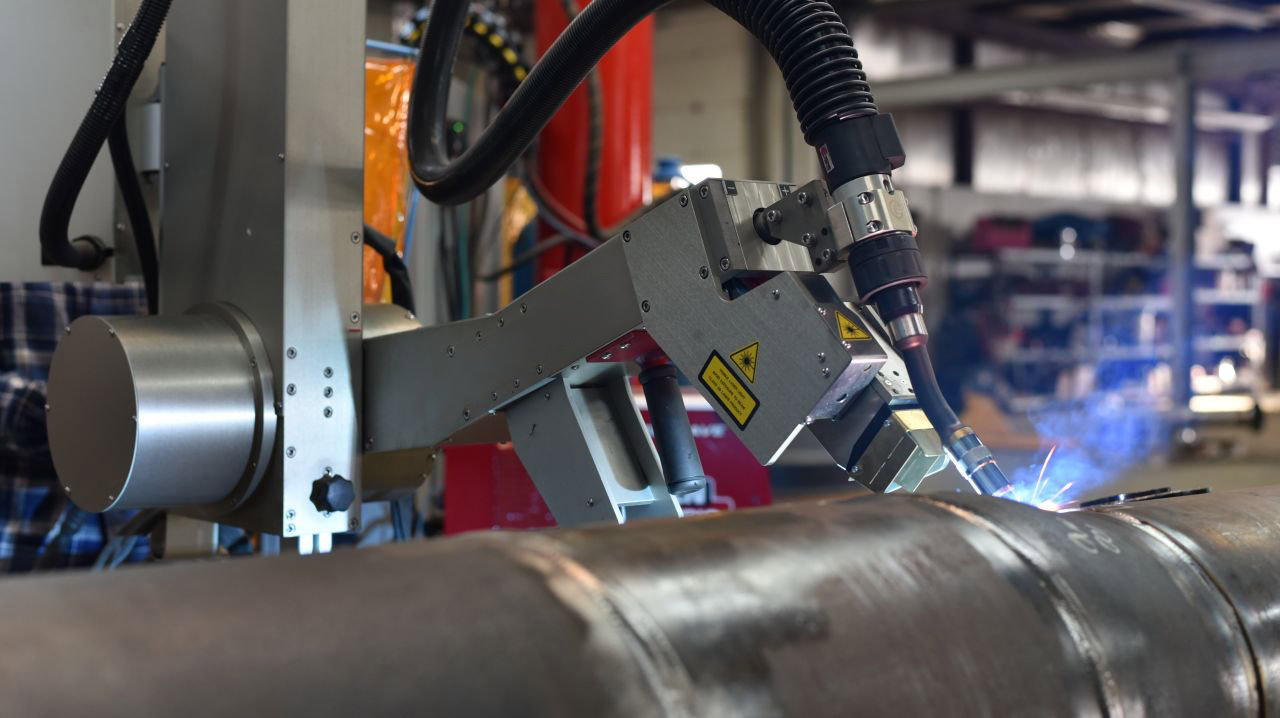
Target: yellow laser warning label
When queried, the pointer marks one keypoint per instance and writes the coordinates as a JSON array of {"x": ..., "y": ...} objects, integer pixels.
[
  {"x": 745, "y": 360},
  {"x": 734, "y": 396},
  {"x": 849, "y": 331}
]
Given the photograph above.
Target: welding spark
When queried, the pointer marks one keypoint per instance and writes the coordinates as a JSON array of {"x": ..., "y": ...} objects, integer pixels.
[
  {"x": 1040, "y": 480},
  {"x": 1052, "y": 499}
]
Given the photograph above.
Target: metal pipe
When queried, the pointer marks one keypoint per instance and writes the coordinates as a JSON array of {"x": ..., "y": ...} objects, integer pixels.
[
  {"x": 880, "y": 605},
  {"x": 681, "y": 465}
]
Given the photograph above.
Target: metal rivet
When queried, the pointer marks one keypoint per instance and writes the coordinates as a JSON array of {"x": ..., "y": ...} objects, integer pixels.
[
  {"x": 289, "y": 529},
  {"x": 66, "y": 489},
  {"x": 591, "y": 502},
  {"x": 355, "y": 236},
  {"x": 290, "y": 514},
  {"x": 874, "y": 226},
  {"x": 291, "y": 389},
  {"x": 280, "y": 156},
  {"x": 826, "y": 371},
  {"x": 493, "y": 396},
  {"x": 822, "y": 357},
  {"x": 523, "y": 308},
  {"x": 538, "y": 368},
  {"x": 291, "y": 352},
  {"x": 704, "y": 272},
  {"x": 546, "y": 395},
  {"x": 776, "y": 294},
  {"x": 684, "y": 200},
  {"x": 328, "y": 372},
  {"x": 479, "y": 336},
  {"x": 328, "y": 412},
  {"x": 355, "y": 317},
  {"x": 328, "y": 392},
  {"x": 290, "y": 452},
  {"x": 515, "y": 383},
  {"x": 725, "y": 264},
  {"x": 67, "y": 329},
  {"x": 645, "y": 306},
  {"x": 704, "y": 192},
  {"x": 248, "y": 231},
  {"x": 826, "y": 255},
  {"x": 502, "y": 322},
  {"x": 466, "y": 413},
  {"x": 450, "y": 350},
  {"x": 626, "y": 236},
  {"x": 803, "y": 198}
]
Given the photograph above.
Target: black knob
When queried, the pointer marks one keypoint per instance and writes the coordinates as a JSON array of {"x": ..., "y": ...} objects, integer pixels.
[{"x": 332, "y": 493}]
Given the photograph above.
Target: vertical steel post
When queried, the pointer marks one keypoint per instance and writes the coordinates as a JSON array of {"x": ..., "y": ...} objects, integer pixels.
[{"x": 1182, "y": 227}]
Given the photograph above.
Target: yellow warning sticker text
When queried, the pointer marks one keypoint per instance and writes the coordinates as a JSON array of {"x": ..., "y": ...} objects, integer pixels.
[
  {"x": 745, "y": 359},
  {"x": 734, "y": 396},
  {"x": 849, "y": 330}
]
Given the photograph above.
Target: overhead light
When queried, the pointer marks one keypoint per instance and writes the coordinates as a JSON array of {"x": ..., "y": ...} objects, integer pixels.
[{"x": 1121, "y": 32}]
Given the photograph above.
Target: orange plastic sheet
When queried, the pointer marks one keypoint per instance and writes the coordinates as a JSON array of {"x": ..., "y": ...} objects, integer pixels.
[{"x": 386, "y": 166}]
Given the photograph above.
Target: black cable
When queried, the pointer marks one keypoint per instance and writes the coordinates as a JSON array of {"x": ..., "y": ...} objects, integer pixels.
[
  {"x": 806, "y": 38},
  {"x": 928, "y": 393},
  {"x": 136, "y": 207},
  {"x": 397, "y": 272},
  {"x": 88, "y": 252},
  {"x": 534, "y": 252},
  {"x": 595, "y": 144}
]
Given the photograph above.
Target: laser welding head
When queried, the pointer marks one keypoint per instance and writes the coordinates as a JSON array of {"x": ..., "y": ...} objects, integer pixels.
[{"x": 858, "y": 156}]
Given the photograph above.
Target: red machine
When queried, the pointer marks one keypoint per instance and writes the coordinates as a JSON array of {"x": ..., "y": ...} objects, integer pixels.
[{"x": 486, "y": 487}]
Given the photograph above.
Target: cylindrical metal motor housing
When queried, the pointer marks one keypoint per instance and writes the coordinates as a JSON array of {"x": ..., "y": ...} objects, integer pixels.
[
  {"x": 150, "y": 412},
  {"x": 886, "y": 605}
]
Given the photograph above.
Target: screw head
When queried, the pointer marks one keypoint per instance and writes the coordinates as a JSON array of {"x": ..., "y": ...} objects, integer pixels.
[
  {"x": 328, "y": 392},
  {"x": 826, "y": 371},
  {"x": 290, "y": 514},
  {"x": 523, "y": 308},
  {"x": 591, "y": 502},
  {"x": 855, "y": 469},
  {"x": 538, "y": 368},
  {"x": 822, "y": 356},
  {"x": 626, "y": 236},
  {"x": 355, "y": 236},
  {"x": 874, "y": 226},
  {"x": 807, "y": 239},
  {"x": 355, "y": 317},
  {"x": 502, "y": 322},
  {"x": 645, "y": 306},
  {"x": 290, "y": 452},
  {"x": 607, "y": 356},
  {"x": 290, "y": 529},
  {"x": 776, "y": 294},
  {"x": 291, "y": 389},
  {"x": 865, "y": 198},
  {"x": 328, "y": 412},
  {"x": 450, "y": 350},
  {"x": 704, "y": 272},
  {"x": 725, "y": 264},
  {"x": 291, "y": 353},
  {"x": 354, "y": 523},
  {"x": 515, "y": 383},
  {"x": 479, "y": 336},
  {"x": 684, "y": 200},
  {"x": 493, "y": 396},
  {"x": 826, "y": 255},
  {"x": 888, "y": 423},
  {"x": 803, "y": 198},
  {"x": 704, "y": 192},
  {"x": 328, "y": 372},
  {"x": 466, "y": 414}
]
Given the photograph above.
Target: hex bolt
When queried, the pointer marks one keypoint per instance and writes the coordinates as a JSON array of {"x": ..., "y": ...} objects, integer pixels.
[
  {"x": 704, "y": 272},
  {"x": 865, "y": 198},
  {"x": 645, "y": 306},
  {"x": 725, "y": 264},
  {"x": 355, "y": 236},
  {"x": 291, "y": 353},
  {"x": 704, "y": 192},
  {"x": 328, "y": 372},
  {"x": 328, "y": 412},
  {"x": 803, "y": 198},
  {"x": 290, "y": 452},
  {"x": 684, "y": 200},
  {"x": 874, "y": 226},
  {"x": 291, "y": 389}
]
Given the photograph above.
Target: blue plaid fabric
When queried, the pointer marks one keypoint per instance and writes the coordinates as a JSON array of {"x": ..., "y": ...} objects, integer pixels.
[{"x": 32, "y": 508}]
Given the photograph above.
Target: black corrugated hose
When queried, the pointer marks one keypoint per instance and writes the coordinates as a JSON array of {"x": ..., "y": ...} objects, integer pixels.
[
  {"x": 397, "y": 272},
  {"x": 87, "y": 252},
  {"x": 136, "y": 207},
  {"x": 806, "y": 38}
]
